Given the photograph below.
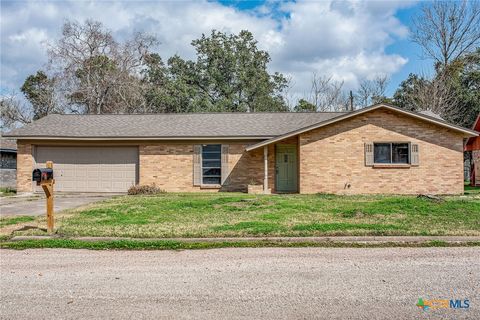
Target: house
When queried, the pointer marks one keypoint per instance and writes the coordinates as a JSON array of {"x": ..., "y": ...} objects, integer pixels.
[
  {"x": 380, "y": 149},
  {"x": 473, "y": 145},
  {"x": 8, "y": 163}
]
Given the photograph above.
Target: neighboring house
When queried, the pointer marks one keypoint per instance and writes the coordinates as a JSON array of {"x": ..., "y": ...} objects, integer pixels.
[
  {"x": 379, "y": 149},
  {"x": 8, "y": 163},
  {"x": 473, "y": 145}
]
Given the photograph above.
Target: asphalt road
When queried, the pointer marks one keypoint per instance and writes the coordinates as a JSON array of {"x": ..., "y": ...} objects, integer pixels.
[
  {"x": 267, "y": 283},
  {"x": 35, "y": 205}
]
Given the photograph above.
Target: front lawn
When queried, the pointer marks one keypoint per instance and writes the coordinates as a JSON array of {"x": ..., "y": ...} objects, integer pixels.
[{"x": 237, "y": 215}]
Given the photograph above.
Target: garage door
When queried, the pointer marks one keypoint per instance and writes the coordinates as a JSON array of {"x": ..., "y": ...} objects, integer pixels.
[{"x": 91, "y": 169}]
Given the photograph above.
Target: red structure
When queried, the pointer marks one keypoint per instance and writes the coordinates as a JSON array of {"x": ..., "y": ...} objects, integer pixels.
[{"x": 473, "y": 145}]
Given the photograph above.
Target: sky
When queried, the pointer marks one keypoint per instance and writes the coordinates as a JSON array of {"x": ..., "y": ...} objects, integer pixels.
[{"x": 346, "y": 40}]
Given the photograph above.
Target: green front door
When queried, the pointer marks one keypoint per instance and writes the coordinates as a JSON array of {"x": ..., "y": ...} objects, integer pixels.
[{"x": 286, "y": 168}]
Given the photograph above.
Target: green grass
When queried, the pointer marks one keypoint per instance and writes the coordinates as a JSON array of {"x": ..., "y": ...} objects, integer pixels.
[
  {"x": 238, "y": 215},
  {"x": 5, "y": 192},
  {"x": 6, "y": 221},
  {"x": 469, "y": 190},
  {"x": 177, "y": 245}
]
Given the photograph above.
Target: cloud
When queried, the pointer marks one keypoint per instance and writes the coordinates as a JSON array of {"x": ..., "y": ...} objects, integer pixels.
[{"x": 344, "y": 39}]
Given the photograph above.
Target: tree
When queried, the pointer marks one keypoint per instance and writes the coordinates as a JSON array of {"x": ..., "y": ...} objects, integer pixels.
[
  {"x": 454, "y": 95},
  {"x": 372, "y": 91},
  {"x": 447, "y": 30},
  {"x": 39, "y": 90},
  {"x": 466, "y": 85},
  {"x": 435, "y": 94},
  {"x": 229, "y": 74},
  {"x": 100, "y": 74},
  {"x": 14, "y": 112},
  {"x": 305, "y": 106},
  {"x": 327, "y": 94}
]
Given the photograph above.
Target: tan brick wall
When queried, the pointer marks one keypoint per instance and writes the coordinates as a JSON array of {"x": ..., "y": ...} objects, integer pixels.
[
  {"x": 170, "y": 167},
  {"x": 25, "y": 164},
  {"x": 332, "y": 158}
]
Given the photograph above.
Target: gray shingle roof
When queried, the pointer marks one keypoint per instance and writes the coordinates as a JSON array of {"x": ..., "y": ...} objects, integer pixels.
[{"x": 170, "y": 125}]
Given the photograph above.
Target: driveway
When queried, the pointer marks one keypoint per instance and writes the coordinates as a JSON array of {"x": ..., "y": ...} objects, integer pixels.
[
  {"x": 236, "y": 283},
  {"x": 35, "y": 205}
]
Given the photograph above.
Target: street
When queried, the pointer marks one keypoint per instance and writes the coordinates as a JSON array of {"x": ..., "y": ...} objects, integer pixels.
[{"x": 267, "y": 283}]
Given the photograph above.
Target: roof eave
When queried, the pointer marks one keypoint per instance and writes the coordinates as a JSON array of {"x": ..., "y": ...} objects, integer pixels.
[{"x": 20, "y": 137}]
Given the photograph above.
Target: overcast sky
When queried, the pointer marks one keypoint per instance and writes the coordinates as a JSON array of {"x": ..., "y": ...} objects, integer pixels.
[{"x": 348, "y": 40}]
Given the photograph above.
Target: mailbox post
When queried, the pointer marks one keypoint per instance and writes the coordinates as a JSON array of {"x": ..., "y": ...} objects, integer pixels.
[{"x": 44, "y": 178}]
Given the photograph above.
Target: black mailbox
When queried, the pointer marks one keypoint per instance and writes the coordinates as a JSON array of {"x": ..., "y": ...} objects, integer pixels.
[{"x": 42, "y": 174}]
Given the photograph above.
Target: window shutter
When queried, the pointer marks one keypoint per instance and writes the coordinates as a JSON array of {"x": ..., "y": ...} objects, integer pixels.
[
  {"x": 197, "y": 164},
  {"x": 369, "y": 154},
  {"x": 414, "y": 157},
  {"x": 224, "y": 162}
]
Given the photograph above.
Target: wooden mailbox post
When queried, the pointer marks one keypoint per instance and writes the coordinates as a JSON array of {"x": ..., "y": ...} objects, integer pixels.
[
  {"x": 44, "y": 178},
  {"x": 47, "y": 187}
]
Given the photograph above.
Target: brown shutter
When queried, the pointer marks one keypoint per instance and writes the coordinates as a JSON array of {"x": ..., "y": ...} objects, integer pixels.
[
  {"x": 369, "y": 154},
  {"x": 414, "y": 157},
  {"x": 224, "y": 162},
  {"x": 197, "y": 164}
]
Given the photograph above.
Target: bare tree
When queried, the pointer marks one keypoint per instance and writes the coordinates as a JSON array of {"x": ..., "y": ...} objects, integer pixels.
[
  {"x": 14, "y": 112},
  {"x": 98, "y": 72},
  {"x": 327, "y": 94},
  {"x": 446, "y": 30},
  {"x": 371, "y": 91}
]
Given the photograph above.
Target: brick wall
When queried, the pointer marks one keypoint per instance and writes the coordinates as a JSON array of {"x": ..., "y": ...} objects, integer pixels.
[
  {"x": 8, "y": 178},
  {"x": 170, "y": 167},
  {"x": 332, "y": 158},
  {"x": 25, "y": 163}
]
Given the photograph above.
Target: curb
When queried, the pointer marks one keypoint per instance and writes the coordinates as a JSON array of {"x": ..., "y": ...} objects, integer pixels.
[{"x": 340, "y": 239}]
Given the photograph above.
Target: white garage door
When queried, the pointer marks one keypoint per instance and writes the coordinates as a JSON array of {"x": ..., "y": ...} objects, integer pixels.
[{"x": 91, "y": 169}]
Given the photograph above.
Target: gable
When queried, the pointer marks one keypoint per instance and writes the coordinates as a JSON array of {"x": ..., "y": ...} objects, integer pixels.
[{"x": 422, "y": 118}]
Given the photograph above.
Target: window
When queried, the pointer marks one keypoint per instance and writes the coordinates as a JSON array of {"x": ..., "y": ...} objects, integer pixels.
[
  {"x": 395, "y": 153},
  {"x": 211, "y": 164}
]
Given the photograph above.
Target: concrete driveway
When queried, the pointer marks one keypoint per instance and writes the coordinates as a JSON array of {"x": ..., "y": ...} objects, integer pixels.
[
  {"x": 35, "y": 205},
  {"x": 236, "y": 283}
]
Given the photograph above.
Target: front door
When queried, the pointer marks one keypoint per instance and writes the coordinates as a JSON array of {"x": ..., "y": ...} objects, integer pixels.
[{"x": 286, "y": 168}]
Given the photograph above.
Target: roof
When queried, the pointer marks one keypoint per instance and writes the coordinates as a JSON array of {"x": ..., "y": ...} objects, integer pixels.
[
  {"x": 422, "y": 116},
  {"x": 169, "y": 126},
  {"x": 430, "y": 114},
  {"x": 8, "y": 144},
  {"x": 269, "y": 127}
]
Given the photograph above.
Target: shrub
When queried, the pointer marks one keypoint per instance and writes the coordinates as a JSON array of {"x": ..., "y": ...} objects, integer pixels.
[{"x": 145, "y": 189}]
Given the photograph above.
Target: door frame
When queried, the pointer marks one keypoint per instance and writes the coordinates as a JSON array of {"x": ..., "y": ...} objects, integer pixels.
[{"x": 294, "y": 147}]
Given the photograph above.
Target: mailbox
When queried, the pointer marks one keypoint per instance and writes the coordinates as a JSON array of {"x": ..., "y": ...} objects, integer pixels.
[{"x": 42, "y": 174}]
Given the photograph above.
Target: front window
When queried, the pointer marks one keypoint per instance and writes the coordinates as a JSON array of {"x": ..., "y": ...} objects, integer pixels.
[
  {"x": 395, "y": 153},
  {"x": 211, "y": 163}
]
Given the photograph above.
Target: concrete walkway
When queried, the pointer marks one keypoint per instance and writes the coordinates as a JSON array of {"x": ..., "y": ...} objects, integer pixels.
[{"x": 34, "y": 205}]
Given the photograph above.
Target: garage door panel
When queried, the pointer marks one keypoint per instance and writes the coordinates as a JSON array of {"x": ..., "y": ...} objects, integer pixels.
[{"x": 91, "y": 169}]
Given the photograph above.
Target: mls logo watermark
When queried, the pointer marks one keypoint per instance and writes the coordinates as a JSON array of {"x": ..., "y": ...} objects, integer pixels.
[{"x": 434, "y": 304}]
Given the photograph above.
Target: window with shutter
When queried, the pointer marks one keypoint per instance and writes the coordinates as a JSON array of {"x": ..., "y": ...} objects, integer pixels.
[{"x": 211, "y": 164}]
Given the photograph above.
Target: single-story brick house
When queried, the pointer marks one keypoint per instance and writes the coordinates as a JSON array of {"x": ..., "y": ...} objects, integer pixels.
[
  {"x": 379, "y": 149},
  {"x": 473, "y": 145}
]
